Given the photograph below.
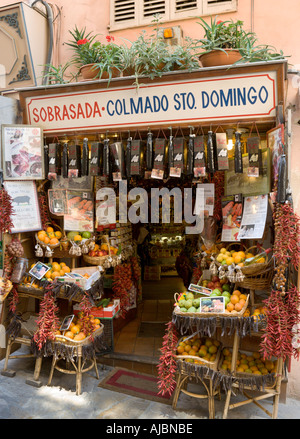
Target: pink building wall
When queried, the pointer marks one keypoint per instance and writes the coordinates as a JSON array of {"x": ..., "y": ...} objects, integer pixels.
[{"x": 275, "y": 22}]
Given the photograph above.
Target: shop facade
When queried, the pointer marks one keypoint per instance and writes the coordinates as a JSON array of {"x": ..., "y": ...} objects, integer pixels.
[{"x": 165, "y": 128}]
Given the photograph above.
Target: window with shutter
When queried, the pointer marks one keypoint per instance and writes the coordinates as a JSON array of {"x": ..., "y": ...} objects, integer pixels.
[
  {"x": 123, "y": 11},
  {"x": 152, "y": 7},
  {"x": 129, "y": 13}
]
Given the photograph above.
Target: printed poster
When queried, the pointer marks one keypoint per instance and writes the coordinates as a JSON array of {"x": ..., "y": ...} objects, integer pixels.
[
  {"x": 232, "y": 208},
  {"x": 254, "y": 217},
  {"x": 25, "y": 203},
  {"x": 80, "y": 215}
]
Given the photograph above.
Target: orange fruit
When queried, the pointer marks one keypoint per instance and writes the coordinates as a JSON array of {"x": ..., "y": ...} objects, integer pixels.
[
  {"x": 97, "y": 322},
  {"x": 58, "y": 234},
  {"x": 192, "y": 352},
  {"x": 53, "y": 241},
  {"x": 55, "y": 274},
  {"x": 236, "y": 293},
  {"x": 51, "y": 235},
  {"x": 242, "y": 254},
  {"x": 230, "y": 307},
  {"x": 238, "y": 307},
  {"x": 46, "y": 240},
  {"x": 79, "y": 336},
  {"x": 187, "y": 348},
  {"x": 234, "y": 299},
  {"x": 242, "y": 302},
  {"x": 243, "y": 296},
  {"x": 180, "y": 349},
  {"x": 237, "y": 259},
  {"x": 75, "y": 329},
  {"x": 55, "y": 266},
  {"x": 49, "y": 229},
  {"x": 212, "y": 349},
  {"x": 63, "y": 264},
  {"x": 96, "y": 327},
  {"x": 229, "y": 260},
  {"x": 69, "y": 334},
  {"x": 41, "y": 235},
  {"x": 66, "y": 269},
  {"x": 61, "y": 272},
  {"x": 48, "y": 274}
]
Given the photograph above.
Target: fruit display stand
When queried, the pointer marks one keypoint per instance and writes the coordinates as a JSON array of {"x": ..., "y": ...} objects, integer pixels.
[
  {"x": 267, "y": 387},
  {"x": 202, "y": 370},
  {"x": 78, "y": 353},
  {"x": 236, "y": 327}
]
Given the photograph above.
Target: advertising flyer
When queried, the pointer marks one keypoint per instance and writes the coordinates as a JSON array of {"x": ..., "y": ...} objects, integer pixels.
[
  {"x": 254, "y": 217},
  {"x": 232, "y": 208},
  {"x": 80, "y": 211},
  {"x": 25, "y": 203}
]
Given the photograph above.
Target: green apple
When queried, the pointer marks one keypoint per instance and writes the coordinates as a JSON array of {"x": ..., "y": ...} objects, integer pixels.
[
  {"x": 226, "y": 294},
  {"x": 226, "y": 287},
  {"x": 217, "y": 292}
]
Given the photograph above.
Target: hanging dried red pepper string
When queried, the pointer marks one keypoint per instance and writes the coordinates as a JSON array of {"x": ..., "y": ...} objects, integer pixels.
[
  {"x": 282, "y": 307},
  {"x": 6, "y": 211},
  {"x": 122, "y": 283},
  {"x": 286, "y": 244},
  {"x": 86, "y": 311},
  {"x": 167, "y": 361},
  {"x": 48, "y": 321}
]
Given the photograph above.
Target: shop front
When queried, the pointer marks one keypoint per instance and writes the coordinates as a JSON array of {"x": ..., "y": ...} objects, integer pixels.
[{"x": 171, "y": 195}]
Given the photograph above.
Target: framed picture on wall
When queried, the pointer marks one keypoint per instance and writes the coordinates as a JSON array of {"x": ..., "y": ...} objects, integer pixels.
[
  {"x": 22, "y": 152},
  {"x": 275, "y": 141},
  {"x": 25, "y": 203}
]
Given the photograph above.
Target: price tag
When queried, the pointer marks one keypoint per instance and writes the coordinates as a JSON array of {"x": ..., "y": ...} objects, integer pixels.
[
  {"x": 175, "y": 172},
  {"x": 157, "y": 173},
  {"x": 199, "y": 289}
]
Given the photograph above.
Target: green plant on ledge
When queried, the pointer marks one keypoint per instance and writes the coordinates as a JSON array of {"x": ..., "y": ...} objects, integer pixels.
[
  {"x": 58, "y": 75},
  {"x": 222, "y": 35},
  {"x": 87, "y": 49}
]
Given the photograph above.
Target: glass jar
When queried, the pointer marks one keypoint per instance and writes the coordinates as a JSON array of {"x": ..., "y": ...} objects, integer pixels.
[{"x": 19, "y": 270}]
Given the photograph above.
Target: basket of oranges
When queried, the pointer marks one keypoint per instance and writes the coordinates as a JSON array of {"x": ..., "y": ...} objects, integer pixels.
[
  {"x": 75, "y": 336},
  {"x": 203, "y": 351},
  {"x": 50, "y": 237}
]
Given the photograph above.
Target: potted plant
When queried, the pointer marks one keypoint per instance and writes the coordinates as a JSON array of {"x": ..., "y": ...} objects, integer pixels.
[
  {"x": 87, "y": 52},
  {"x": 222, "y": 42},
  {"x": 183, "y": 57},
  {"x": 109, "y": 61},
  {"x": 226, "y": 42}
]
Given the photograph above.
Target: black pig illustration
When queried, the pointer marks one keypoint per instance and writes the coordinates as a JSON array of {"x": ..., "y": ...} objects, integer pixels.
[{"x": 23, "y": 199}]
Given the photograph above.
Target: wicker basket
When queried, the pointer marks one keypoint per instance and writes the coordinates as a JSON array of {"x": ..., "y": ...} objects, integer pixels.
[
  {"x": 211, "y": 314},
  {"x": 275, "y": 371},
  {"x": 99, "y": 260},
  {"x": 52, "y": 246},
  {"x": 256, "y": 268},
  {"x": 262, "y": 280},
  {"x": 77, "y": 343},
  {"x": 202, "y": 362}
]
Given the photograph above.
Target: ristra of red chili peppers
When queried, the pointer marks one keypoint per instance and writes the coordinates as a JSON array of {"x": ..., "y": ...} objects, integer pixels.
[
  {"x": 286, "y": 244},
  {"x": 6, "y": 211},
  {"x": 85, "y": 309},
  {"x": 167, "y": 362},
  {"x": 282, "y": 313},
  {"x": 122, "y": 283},
  {"x": 44, "y": 209},
  {"x": 48, "y": 321}
]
